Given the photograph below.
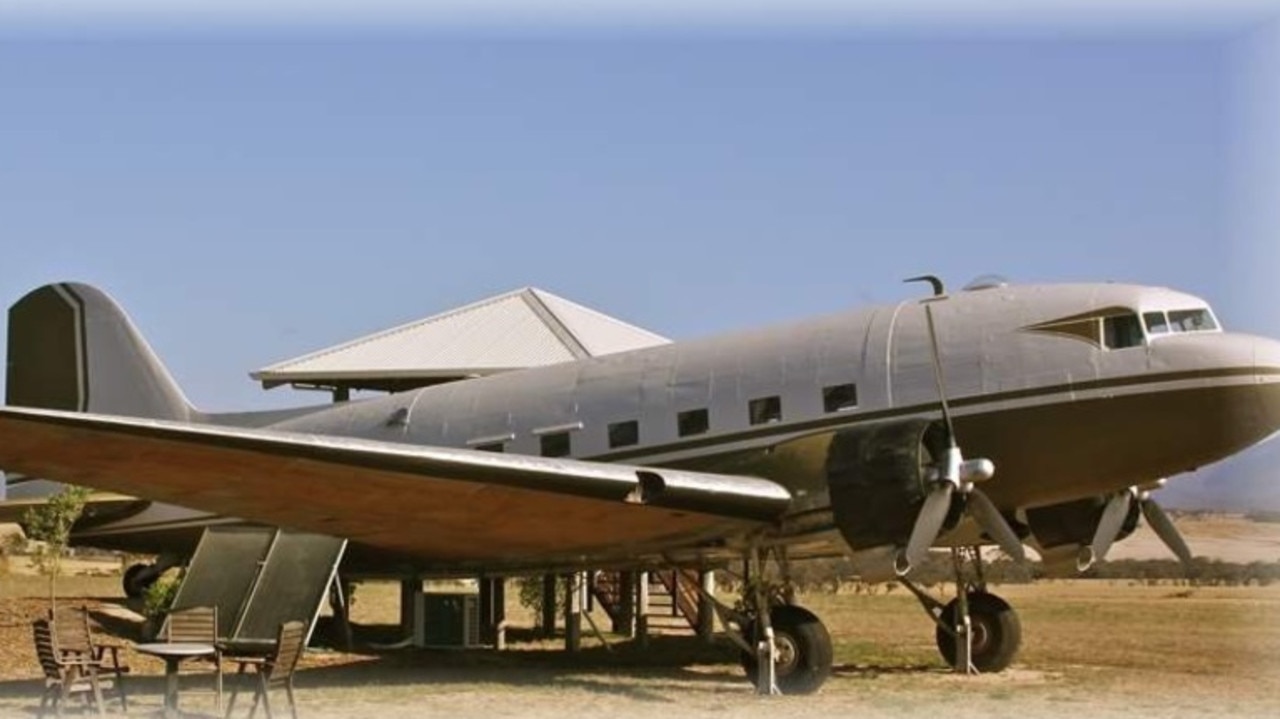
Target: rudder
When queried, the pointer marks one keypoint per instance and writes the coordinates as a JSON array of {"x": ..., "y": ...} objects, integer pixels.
[{"x": 71, "y": 347}]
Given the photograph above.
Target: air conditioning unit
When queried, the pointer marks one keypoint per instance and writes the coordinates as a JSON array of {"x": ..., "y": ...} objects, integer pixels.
[{"x": 446, "y": 620}]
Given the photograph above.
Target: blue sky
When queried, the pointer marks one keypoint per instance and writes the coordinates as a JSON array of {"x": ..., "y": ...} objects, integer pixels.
[{"x": 251, "y": 191}]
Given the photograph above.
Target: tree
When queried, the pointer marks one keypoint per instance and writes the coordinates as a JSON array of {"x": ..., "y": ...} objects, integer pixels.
[{"x": 50, "y": 525}]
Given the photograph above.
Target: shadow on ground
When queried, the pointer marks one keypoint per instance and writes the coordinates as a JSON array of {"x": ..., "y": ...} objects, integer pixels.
[{"x": 664, "y": 672}]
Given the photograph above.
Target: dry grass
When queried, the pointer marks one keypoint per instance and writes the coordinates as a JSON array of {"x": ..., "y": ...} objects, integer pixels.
[{"x": 1091, "y": 649}]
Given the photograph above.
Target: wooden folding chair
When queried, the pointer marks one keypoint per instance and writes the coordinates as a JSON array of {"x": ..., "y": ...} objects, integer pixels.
[
  {"x": 275, "y": 671},
  {"x": 74, "y": 639},
  {"x": 198, "y": 624},
  {"x": 65, "y": 675}
]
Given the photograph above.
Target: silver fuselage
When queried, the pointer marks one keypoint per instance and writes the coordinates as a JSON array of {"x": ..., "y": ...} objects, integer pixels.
[{"x": 1062, "y": 415}]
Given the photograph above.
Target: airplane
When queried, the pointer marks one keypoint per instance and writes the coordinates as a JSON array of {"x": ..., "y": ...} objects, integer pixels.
[{"x": 838, "y": 435}]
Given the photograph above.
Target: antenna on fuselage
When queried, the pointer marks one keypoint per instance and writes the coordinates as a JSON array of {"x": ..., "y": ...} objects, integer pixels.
[
  {"x": 953, "y": 472},
  {"x": 938, "y": 289}
]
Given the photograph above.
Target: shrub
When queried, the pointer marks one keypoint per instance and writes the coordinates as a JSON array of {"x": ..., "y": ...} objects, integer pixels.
[{"x": 158, "y": 598}]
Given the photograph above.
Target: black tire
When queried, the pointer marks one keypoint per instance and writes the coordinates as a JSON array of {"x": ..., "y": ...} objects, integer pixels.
[
  {"x": 137, "y": 578},
  {"x": 804, "y": 650},
  {"x": 997, "y": 632}
]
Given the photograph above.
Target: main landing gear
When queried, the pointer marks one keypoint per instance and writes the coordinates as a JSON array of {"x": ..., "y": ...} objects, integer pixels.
[
  {"x": 785, "y": 649},
  {"x": 802, "y": 652},
  {"x": 138, "y": 578},
  {"x": 977, "y": 631}
]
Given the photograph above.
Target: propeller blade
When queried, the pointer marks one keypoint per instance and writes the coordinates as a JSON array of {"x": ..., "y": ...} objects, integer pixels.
[
  {"x": 994, "y": 524},
  {"x": 937, "y": 375},
  {"x": 1169, "y": 534},
  {"x": 938, "y": 293},
  {"x": 933, "y": 513},
  {"x": 1112, "y": 520}
]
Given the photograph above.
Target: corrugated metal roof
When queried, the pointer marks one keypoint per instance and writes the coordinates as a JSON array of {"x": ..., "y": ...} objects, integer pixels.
[{"x": 523, "y": 328}]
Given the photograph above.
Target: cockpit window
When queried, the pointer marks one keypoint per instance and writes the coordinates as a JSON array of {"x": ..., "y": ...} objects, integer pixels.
[
  {"x": 1177, "y": 321},
  {"x": 1121, "y": 331},
  {"x": 1192, "y": 321},
  {"x": 1157, "y": 323}
]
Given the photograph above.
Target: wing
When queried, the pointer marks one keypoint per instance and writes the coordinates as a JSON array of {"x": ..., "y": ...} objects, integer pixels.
[{"x": 440, "y": 505}]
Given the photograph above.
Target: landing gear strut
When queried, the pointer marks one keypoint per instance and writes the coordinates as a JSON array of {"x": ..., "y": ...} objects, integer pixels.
[
  {"x": 977, "y": 631},
  {"x": 785, "y": 649}
]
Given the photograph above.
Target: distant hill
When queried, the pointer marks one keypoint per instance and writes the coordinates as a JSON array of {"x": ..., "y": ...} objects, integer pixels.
[{"x": 1248, "y": 482}]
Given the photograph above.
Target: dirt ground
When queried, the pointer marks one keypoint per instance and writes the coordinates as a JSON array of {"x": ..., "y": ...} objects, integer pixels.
[{"x": 1091, "y": 648}]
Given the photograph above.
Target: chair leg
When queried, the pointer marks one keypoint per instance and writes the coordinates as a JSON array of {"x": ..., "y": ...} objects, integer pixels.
[
  {"x": 124, "y": 697},
  {"x": 218, "y": 682},
  {"x": 97, "y": 693},
  {"x": 44, "y": 702},
  {"x": 63, "y": 695},
  {"x": 288, "y": 689},
  {"x": 266, "y": 701},
  {"x": 258, "y": 694},
  {"x": 235, "y": 690}
]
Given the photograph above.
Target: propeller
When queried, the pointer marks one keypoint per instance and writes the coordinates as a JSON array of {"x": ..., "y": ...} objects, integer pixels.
[
  {"x": 1109, "y": 527},
  {"x": 1112, "y": 522},
  {"x": 1164, "y": 529},
  {"x": 954, "y": 474}
]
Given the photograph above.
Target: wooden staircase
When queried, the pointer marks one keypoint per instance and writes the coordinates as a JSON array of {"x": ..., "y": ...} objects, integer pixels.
[{"x": 673, "y": 599}]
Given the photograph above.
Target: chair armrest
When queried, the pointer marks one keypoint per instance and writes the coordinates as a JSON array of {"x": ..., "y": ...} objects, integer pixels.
[
  {"x": 113, "y": 649},
  {"x": 77, "y": 656},
  {"x": 77, "y": 660}
]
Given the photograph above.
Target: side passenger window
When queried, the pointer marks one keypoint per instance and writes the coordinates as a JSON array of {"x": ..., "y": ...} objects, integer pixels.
[{"x": 694, "y": 421}]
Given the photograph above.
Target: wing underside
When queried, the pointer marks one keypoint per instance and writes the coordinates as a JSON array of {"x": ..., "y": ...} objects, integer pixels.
[{"x": 437, "y": 505}]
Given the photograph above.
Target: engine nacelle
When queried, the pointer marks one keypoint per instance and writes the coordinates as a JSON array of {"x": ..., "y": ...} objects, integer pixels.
[
  {"x": 1062, "y": 530},
  {"x": 878, "y": 477}
]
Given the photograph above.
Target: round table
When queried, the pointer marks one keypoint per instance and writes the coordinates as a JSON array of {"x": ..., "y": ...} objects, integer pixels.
[{"x": 173, "y": 654}]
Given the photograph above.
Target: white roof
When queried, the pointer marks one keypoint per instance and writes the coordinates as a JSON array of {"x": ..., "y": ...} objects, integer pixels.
[{"x": 523, "y": 328}]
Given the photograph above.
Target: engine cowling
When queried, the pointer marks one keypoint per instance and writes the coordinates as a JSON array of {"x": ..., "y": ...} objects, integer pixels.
[
  {"x": 1062, "y": 530},
  {"x": 878, "y": 477}
]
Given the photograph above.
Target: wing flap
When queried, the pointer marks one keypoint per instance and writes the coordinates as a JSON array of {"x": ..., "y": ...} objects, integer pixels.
[{"x": 443, "y": 504}]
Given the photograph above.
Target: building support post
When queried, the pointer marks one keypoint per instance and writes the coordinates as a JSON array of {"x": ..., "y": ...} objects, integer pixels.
[
  {"x": 706, "y": 605},
  {"x": 549, "y": 605},
  {"x": 410, "y": 588},
  {"x": 493, "y": 611},
  {"x": 642, "y": 609},
  {"x": 624, "y": 617},
  {"x": 573, "y": 612}
]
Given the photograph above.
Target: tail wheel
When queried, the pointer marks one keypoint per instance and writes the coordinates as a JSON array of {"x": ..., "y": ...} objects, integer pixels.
[
  {"x": 803, "y": 648},
  {"x": 997, "y": 632}
]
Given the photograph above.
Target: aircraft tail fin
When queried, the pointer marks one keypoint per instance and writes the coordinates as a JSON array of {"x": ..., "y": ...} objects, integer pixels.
[{"x": 71, "y": 347}]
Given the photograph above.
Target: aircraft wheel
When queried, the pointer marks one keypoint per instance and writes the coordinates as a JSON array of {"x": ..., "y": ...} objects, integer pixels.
[
  {"x": 803, "y": 648},
  {"x": 997, "y": 632},
  {"x": 137, "y": 579}
]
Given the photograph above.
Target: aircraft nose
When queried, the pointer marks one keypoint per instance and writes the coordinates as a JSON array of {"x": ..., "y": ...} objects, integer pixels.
[
  {"x": 1266, "y": 357},
  {"x": 1266, "y": 364}
]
